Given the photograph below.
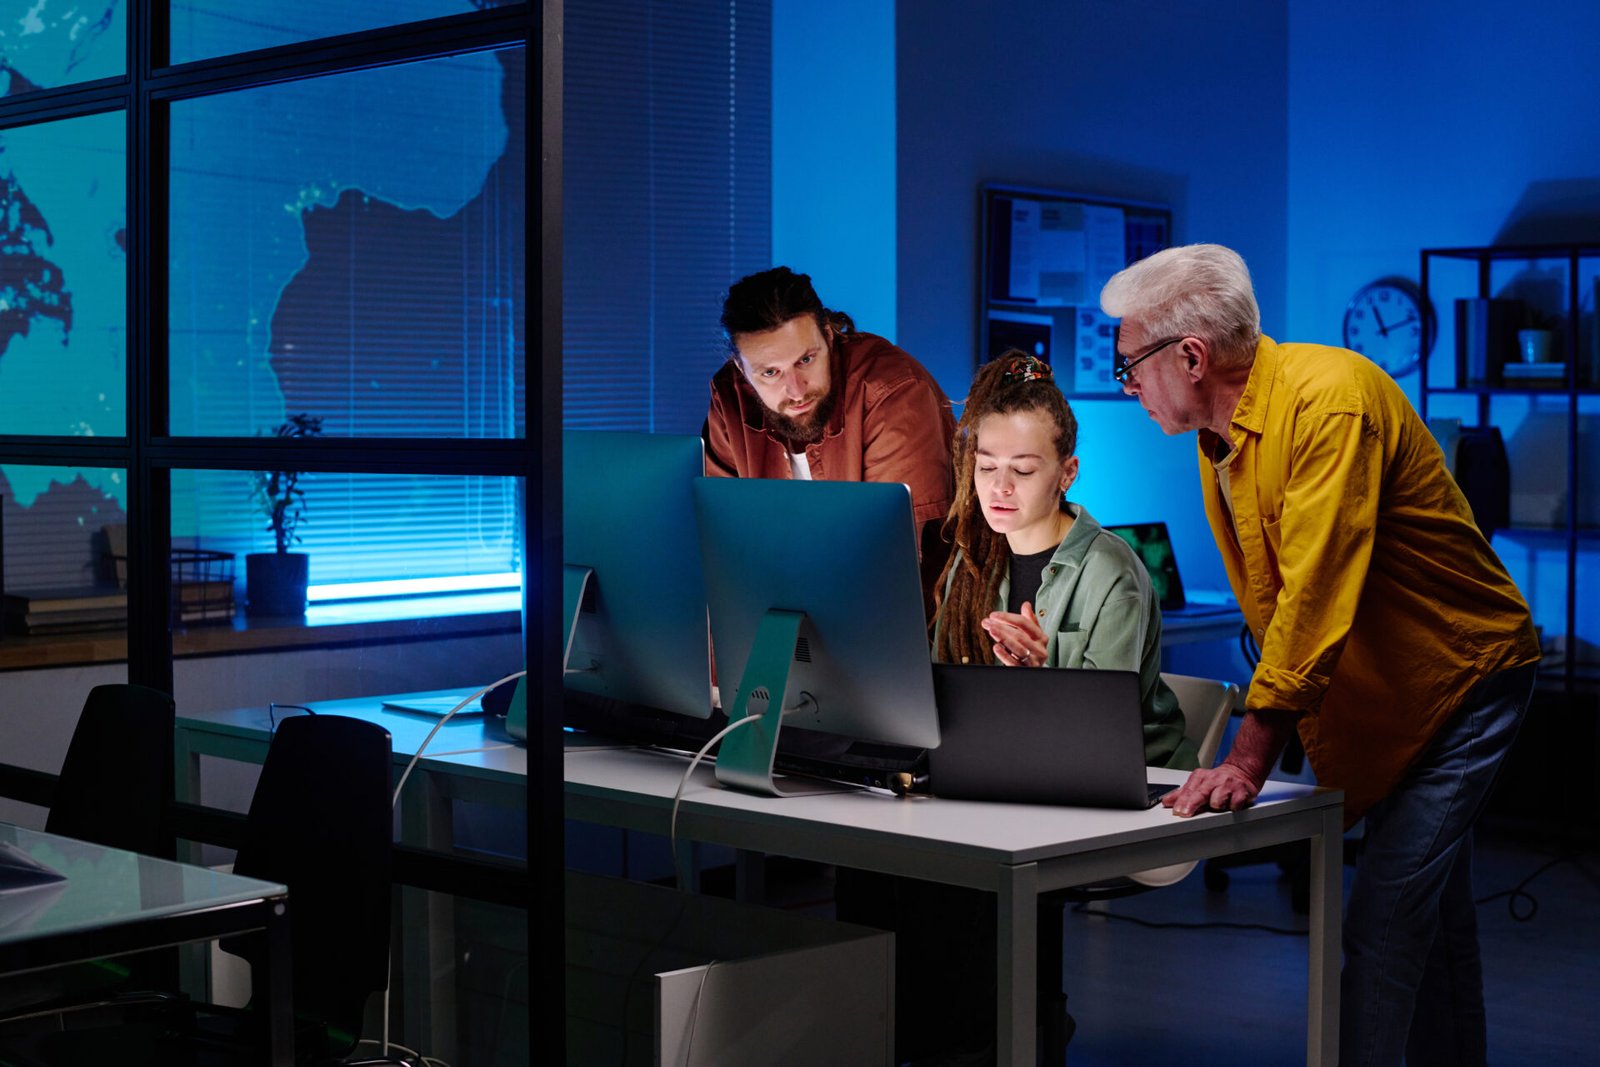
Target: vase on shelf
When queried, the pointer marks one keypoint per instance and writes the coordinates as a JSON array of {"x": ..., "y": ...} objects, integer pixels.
[{"x": 1535, "y": 345}]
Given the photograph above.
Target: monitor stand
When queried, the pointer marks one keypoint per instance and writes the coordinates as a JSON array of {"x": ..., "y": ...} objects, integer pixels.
[
  {"x": 744, "y": 759},
  {"x": 574, "y": 589}
]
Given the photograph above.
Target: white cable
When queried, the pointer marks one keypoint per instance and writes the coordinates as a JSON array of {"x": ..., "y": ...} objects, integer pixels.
[
  {"x": 394, "y": 801},
  {"x": 446, "y": 717},
  {"x": 699, "y": 994},
  {"x": 677, "y": 798},
  {"x": 426, "y": 1061}
]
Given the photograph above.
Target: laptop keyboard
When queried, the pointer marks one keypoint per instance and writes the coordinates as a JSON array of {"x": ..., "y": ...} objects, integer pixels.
[{"x": 1156, "y": 790}]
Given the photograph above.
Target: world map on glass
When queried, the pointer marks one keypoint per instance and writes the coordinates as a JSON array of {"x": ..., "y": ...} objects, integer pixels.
[{"x": 328, "y": 223}]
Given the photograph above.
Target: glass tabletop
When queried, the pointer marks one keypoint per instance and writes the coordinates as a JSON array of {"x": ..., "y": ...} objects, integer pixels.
[{"x": 106, "y": 886}]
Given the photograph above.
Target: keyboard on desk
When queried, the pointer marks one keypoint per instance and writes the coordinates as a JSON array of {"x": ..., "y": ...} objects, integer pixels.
[
  {"x": 811, "y": 753},
  {"x": 843, "y": 759}
]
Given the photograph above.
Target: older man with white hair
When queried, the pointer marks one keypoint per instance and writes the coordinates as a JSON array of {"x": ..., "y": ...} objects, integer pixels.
[{"x": 1391, "y": 635}]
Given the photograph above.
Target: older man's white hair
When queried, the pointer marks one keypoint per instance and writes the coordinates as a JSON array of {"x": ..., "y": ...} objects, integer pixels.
[{"x": 1199, "y": 291}]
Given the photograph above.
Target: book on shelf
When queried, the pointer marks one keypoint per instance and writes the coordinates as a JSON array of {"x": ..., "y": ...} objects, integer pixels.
[
  {"x": 215, "y": 592},
  {"x": 1536, "y": 372},
  {"x": 69, "y": 598},
  {"x": 213, "y": 611},
  {"x": 108, "y": 615},
  {"x": 51, "y": 624}
]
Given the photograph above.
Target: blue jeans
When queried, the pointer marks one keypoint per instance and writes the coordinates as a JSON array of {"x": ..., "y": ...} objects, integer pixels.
[{"x": 1413, "y": 983}]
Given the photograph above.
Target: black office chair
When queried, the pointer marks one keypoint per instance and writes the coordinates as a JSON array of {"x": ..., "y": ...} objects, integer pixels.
[
  {"x": 114, "y": 789},
  {"x": 320, "y": 822},
  {"x": 115, "y": 785}
]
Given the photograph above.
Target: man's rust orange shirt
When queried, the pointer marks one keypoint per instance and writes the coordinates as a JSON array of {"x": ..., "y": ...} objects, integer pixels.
[{"x": 1376, "y": 601}]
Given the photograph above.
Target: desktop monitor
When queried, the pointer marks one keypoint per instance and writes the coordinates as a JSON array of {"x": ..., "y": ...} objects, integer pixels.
[
  {"x": 634, "y": 597},
  {"x": 816, "y": 608}
]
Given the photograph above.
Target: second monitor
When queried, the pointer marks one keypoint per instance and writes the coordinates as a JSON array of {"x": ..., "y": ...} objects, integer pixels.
[{"x": 634, "y": 601}]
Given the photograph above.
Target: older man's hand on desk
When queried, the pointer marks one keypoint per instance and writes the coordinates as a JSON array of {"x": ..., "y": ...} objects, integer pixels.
[
  {"x": 1236, "y": 781},
  {"x": 1221, "y": 788}
]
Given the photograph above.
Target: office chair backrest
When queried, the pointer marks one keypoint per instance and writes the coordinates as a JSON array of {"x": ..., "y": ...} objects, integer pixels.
[
  {"x": 1206, "y": 705},
  {"x": 116, "y": 783},
  {"x": 320, "y": 823}
]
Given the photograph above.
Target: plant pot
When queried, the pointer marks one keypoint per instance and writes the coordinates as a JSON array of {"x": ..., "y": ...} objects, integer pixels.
[
  {"x": 1536, "y": 345},
  {"x": 275, "y": 583}
]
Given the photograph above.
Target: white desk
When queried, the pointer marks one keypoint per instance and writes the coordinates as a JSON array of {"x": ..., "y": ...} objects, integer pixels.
[
  {"x": 1191, "y": 629},
  {"x": 467, "y": 759},
  {"x": 115, "y": 902},
  {"x": 1014, "y": 851}
]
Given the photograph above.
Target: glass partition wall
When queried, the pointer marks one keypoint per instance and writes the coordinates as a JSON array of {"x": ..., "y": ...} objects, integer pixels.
[{"x": 271, "y": 286}]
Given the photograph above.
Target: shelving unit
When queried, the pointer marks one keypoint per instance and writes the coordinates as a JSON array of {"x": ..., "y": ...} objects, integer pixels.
[{"x": 1580, "y": 347}]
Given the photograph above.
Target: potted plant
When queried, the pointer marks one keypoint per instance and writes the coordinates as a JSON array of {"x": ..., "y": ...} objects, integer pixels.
[{"x": 275, "y": 582}]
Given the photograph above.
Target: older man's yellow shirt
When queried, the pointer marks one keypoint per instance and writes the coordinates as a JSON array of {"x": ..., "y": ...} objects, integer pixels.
[{"x": 1376, "y": 601}]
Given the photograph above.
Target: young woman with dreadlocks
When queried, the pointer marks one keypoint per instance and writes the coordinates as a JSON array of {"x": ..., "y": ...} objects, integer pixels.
[{"x": 1034, "y": 581}]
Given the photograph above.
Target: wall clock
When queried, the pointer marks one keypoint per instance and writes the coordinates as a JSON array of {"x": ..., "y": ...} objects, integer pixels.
[{"x": 1385, "y": 322}]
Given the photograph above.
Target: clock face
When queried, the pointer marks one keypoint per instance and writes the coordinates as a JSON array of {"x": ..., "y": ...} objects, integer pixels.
[{"x": 1384, "y": 322}]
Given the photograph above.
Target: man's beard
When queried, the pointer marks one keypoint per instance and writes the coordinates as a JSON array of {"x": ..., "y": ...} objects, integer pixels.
[{"x": 808, "y": 432}]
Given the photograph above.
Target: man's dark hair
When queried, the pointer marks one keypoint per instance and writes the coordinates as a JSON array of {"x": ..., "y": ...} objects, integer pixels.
[{"x": 767, "y": 299}]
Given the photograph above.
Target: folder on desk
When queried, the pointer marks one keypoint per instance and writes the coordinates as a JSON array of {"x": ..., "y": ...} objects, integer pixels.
[
  {"x": 18, "y": 870},
  {"x": 435, "y": 706}
]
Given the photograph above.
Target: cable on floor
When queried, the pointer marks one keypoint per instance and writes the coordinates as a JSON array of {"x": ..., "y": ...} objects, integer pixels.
[
  {"x": 1519, "y": 892},
  {"x": 1150, "y": 924}
]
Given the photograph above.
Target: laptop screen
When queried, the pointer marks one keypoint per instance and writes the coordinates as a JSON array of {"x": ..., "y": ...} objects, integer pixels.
[{"x": 1150, "y": 542}]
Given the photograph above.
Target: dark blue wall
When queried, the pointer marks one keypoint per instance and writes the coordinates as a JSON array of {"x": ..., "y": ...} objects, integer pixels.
[
  {"x": 1170, "y": 101},
  {"x": 1439, "y": 124}
]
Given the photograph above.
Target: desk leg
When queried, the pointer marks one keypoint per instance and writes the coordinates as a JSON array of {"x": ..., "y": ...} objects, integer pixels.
[
  {"x": 428, "y": 925},
  {"x": 280, "y": 983},
  {"x": 1327, "y": 902},
  {"x": 1016, "y": 965},
  {"x": 194, "y": 962},
  {"x": 686, "y": 866},
  {"x": 186, "y": 785},
  {"x": 750, "y": 876}
]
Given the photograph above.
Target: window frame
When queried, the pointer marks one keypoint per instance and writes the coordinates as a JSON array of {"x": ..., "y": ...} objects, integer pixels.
[{"x": 148, "y": 453}]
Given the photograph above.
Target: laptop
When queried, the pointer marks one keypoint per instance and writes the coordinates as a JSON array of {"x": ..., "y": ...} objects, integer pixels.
[
  {"x": 1040, "y": 736},
  {"x": 1151, "y": 542}
]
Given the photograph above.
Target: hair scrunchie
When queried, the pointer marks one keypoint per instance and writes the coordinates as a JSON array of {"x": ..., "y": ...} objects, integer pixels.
[{"x": 1026, "y": 369}]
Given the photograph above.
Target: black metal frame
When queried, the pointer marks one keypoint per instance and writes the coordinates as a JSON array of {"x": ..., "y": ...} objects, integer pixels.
[
  {"x": 148, "y": 453},
  {"x": 269, "y": 914},
  {"x": 205, "y": 924},
  {"x": 1484, "y": 258}
]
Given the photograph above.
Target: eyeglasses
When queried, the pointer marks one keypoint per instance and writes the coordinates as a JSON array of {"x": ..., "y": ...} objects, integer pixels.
[{"x": 1122, "y": 366}]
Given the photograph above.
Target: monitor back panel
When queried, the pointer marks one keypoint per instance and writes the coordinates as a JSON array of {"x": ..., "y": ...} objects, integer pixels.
[{"x": 627, "y": 511}]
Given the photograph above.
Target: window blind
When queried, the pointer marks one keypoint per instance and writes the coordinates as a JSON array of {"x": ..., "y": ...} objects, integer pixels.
[
  {"x": 667, "y": 191},
  {"x": 374, "y": 279}
]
